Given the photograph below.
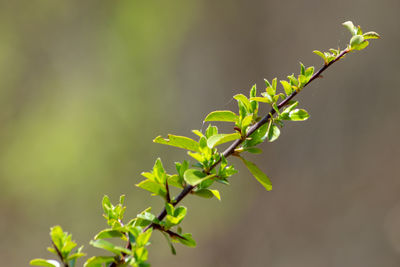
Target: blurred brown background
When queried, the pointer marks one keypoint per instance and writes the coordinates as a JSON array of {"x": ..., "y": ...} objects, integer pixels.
[{"x": 86, "y": 85}]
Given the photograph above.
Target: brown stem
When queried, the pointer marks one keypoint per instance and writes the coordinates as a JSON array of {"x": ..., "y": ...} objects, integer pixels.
[{"x": 230, "y": 150}]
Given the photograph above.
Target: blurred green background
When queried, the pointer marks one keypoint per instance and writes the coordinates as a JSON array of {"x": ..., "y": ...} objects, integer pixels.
[{"x": 86, "y": 85}]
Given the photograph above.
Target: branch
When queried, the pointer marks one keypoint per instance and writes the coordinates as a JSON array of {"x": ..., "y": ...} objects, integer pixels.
[{"x": 229, "y": 151}]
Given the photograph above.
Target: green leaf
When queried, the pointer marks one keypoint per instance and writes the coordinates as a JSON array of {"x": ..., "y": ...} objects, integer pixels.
[
  {"x": 176, "y": 217},
  {"x": 253, "y": 91},
  {"x": 273, "y": 132},
  {"x": 319, "y": 53},
  {"x": 98, "y": 261},
  {"x": 219, "y": 139},
  {"x": 109, "y": 233},
  {"x": 350, "y": 26},
  {"x": 270, "y": 91},
  {"x": 159, "y": 172},
  {"x": 258, "y": 174},
  {"x": 298, "y": 115},
  {"x": 103, "y": 244},
  {"x": 262, "y": 99},
  {"x": 309, "y": 72},
  {"x": 216, "y": 193},
  {"x": 302, "y": 69},
  {"x": 356, "y": 40},
  {"x": 267, "y": 84},
  {"x": 198, "y": 133},
  {"x": 153, "y": 187},
  {"x": 175, "y": 180},
  {"x": 371, "y": 35},
  {"x": 206, "y": 193},
  {"x": 46, "y": 263},
  {"x": 144, "y": 238},
  {"x": 187, "y": 240},
  {"x": 211, "y": 130},
  {"x": 243, "y": 99},
  {"x": 246, "y": 121},
  {"x": 178, "y": 141},
  {"x": 181, "y": 167},
  {"x": 257, "y": 137},
  {"x": 169, "y": 209},
  {"x": 173, "y": 251},
  {"x": 302, "y": 80},
  {"x": 293, "y": 80},
  {"x": 361, "y": 46},
  {"x": 194, "y": 177},
  {"x": 285, "y": 114},
  {"x": 287, "y": 87},
  {"x": 253, "y": 150}
]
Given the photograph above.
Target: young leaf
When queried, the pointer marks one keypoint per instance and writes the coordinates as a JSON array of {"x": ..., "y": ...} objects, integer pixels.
[
  {"x": 98, "y": 261},
  {"x": 216, "y": 193},
  {"x": 219, "y": 139},
  {"x": 302, "y": 69},
  {"x": 267, "y": 84},
  {"x": 100, "y": 243},
  {"x": 153, "y": 187},
  {"x": 273, "y": 132},
  {"x": 258, "y": 174},
  {"x": 175, "y": 180},
  {"x": 46, "y": 263},
  {"x": 319, "y": 53},
  {"x": 293, "y": 80},
  {"x": 371, "y": 35},
  {"x": 187, "y": 240},
  {"x": 198, "y": 133},
  {"x": 253, "y": 150},
  {"x": 206, "y": 193},
  {"x": 109, "y": 233},
  {"x": 253, "y": 91},
  {"x": 222, "y": 115},
  {"x": 243, "y": 99},
  {"x": 287, "y": 87},
  {"x": 350, "y": 26},
  {"x": 168, "y": 238},
  {"x": 356, "y": 40},
  {"x": 298, "y": 115},
  {"x": 194, "y": 177},
  {"x": 143, "y": 238},
  {"x": 361, "y": 46},
  {"x": 211, "y": 130},
  {"x": 262, "y": 99},
  {"x": 309, "y": 72},
  {"x": 178, "y": 141}
]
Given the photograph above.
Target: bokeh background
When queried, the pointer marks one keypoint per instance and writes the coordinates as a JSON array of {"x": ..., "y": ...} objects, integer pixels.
[{"x": 86, "y": 85}]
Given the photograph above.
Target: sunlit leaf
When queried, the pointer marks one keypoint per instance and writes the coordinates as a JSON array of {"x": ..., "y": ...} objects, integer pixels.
[
  {"x": 258, "y": 174},
  {"x": 350, "y": 26},
  {"x": 243, "y": 99},
  {"x": 273, "y": 132},
  {"x": 194, "y": 177},
  {"x": 219, "y": 139},
  {"x": 298, "y": 115},
  {"x": 371, "y": 35},
  {"x": 153, "y": 187},
  {"x": 46, "y": 263},
  {"x": 287, "y": 87},
  {"x": 356, "y": 40},
  {"x": 103, "y": 244},
  {"x": 98, "y": 261},
  {"x": 109, "y": 233},
  {"x": 178, "y": 141}
]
